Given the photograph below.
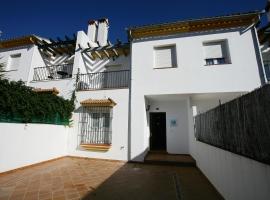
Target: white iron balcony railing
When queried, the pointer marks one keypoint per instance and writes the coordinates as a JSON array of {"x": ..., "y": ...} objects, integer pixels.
[
  {"x": 53, "y": 72},
  {"x": 104, "y": 80}
]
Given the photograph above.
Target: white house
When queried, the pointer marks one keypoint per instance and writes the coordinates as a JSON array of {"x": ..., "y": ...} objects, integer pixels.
[
  {"x": 142, "y": 95},
  {"x": 186, "y": 67},
  {"x": 264, "y": 35}
]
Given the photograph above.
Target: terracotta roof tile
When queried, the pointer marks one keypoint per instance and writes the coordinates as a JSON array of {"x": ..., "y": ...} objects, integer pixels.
[
  {"x": 49, "y": 90},
  {"x": 98, "y": 102}
]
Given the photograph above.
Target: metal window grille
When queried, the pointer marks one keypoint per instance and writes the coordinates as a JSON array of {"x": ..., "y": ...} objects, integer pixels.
[{"x": 95, "y": 125}]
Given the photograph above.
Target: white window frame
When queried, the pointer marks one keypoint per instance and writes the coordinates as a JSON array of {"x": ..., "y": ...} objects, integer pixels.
[
  {"x": 173, "y": 56},
  {"x": 225, "y": 59}
]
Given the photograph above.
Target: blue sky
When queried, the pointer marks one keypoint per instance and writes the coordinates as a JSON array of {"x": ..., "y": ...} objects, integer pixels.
[{"x": 56, "y": 18}]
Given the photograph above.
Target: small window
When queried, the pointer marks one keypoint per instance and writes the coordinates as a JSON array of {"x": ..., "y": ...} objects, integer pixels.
[
  {"x": 165, "y": 56},
  {"x": 216, "y": 52},
  {"x": 14, "y": 62}
]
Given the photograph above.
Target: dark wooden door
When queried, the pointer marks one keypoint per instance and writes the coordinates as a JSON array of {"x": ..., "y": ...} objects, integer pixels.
[{"x": 158, "y": 131}]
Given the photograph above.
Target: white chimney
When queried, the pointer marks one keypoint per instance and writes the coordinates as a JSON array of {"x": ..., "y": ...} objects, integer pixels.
[
  {"x": 92, "y": 30},
  {"x": 102, "y": 35}
]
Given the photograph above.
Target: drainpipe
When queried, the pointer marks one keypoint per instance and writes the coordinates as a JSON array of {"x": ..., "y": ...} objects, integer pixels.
[
  {"x": 258, "y": 53},
  {"x": 129, "y": 107}
]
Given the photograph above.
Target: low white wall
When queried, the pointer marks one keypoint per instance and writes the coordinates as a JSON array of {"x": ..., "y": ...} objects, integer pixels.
[
  {"x": 27, "y": 144},
  {"x": 234, "y": 176}
]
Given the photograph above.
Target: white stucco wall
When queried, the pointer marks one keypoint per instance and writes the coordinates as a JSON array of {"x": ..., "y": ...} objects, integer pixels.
[
  {"x": 234, "y": 176},
  {"x": 23, "y": 70},
  {"x": 119, "y": 147},
  {"x": 27, "y": 144},
  {"x": 191, "y": 76},
  {"x": 65, "y": 86}
]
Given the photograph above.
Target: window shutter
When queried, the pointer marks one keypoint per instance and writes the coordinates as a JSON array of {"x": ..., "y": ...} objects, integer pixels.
[
  {"x": 213, "y": 50},
  {"x": 165, "y": 57}
]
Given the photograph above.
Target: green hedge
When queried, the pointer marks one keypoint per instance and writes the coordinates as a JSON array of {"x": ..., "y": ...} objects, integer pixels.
[{"x": 19, "y": 104}]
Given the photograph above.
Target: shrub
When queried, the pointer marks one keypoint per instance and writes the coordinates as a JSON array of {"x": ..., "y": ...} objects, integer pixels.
[{"x": 18, "y": 103}]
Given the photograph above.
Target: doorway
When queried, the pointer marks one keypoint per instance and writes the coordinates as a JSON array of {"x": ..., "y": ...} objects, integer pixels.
[{"x": 158, "y": 131}]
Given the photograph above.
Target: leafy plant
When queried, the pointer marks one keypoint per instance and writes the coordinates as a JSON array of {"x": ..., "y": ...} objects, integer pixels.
[{"x": 19, "y": 103}]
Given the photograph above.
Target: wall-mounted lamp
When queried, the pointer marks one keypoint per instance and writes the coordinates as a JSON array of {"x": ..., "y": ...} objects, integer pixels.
[{"x": 148, "y": 107}]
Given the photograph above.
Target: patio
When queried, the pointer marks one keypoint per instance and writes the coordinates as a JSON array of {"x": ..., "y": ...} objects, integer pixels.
[{"x": 79, "y": 178}]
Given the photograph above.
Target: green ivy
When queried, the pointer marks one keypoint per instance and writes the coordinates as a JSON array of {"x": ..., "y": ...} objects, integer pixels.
[{"x": 20, "y": 104}]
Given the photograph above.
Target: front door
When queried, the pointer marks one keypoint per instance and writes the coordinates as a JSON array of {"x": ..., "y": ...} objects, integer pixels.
[{"x": 158, "y": 131}]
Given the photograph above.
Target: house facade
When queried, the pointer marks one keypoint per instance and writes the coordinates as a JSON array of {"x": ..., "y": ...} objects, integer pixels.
[{"x": 141, "y": 96}]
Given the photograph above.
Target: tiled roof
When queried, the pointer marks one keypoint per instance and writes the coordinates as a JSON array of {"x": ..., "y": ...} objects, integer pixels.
[
  {"x": 50, "y": 90},
  {"x": 194, "y": 25},
  {"x": 19, "y": 41},
  {"x": 98, "y": 102}
]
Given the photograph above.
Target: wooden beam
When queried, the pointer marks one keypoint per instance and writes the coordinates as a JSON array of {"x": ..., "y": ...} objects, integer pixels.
[
  {"x": 47, "y": 48},
  {"x": 98, "y": 54},
  {"x": 53, "y": 48},
  {"x": 106, "y": 53},
  {"x": 65, "y": 47}
]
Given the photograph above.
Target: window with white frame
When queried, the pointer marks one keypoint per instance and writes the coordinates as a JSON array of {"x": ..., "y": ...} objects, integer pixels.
[
  {"x": 165, "y": 56},
  {"x": 216, "y": 52},
  {"x": 14, "y": 62},
  {"x": 96, "y": 125}
]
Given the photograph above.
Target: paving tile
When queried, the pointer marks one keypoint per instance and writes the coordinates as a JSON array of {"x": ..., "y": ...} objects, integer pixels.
[{"x": 76, "y": 178}]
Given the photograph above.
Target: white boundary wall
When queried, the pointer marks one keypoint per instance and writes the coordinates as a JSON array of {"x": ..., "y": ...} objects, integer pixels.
[
  {"x": 234, "y": 176},
  {"x": 27, "y": 144}
]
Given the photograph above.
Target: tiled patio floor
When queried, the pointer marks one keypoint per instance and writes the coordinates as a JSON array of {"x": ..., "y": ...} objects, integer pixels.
[{"x": 77, "y": 178}]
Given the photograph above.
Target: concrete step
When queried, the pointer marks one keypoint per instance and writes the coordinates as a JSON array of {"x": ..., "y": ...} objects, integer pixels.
[{"x": 161, "y": 158}]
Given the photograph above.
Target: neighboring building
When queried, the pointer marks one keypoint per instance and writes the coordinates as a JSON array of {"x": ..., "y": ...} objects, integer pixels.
[
  {"x": 264, "y": 38},
  {"x": 141, "y": 95}
]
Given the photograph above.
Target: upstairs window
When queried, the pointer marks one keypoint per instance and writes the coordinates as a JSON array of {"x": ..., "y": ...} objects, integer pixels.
[
  {"x": 165, "y": 57},
  {"x": 216, "y": 52},
  {"x": 14, "y": 62}
]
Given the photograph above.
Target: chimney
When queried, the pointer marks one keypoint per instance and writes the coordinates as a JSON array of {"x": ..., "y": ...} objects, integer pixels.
[
  {"x": 102, "y": 33},
  {"x": 92, "y": 30}
]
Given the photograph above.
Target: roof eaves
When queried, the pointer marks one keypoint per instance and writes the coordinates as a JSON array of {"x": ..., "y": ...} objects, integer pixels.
[{"x": 256, "y": 12}]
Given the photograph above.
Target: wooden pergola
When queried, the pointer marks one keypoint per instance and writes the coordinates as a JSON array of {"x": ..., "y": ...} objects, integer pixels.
[
  {"x": 64, "y": 46},
  {"x": 109, "y": 51}
]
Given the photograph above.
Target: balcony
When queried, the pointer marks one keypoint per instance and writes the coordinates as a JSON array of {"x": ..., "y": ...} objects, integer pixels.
[
  {"x": 104, "y": 80},
  {"x": 53, "y": 72}
]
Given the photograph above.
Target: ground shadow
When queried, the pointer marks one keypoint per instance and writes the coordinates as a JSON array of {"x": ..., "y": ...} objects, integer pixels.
[{"x": 138, "y": 181}]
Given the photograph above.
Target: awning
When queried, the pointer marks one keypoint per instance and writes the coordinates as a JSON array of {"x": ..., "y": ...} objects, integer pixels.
[{"x": 98, "y": 102}]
